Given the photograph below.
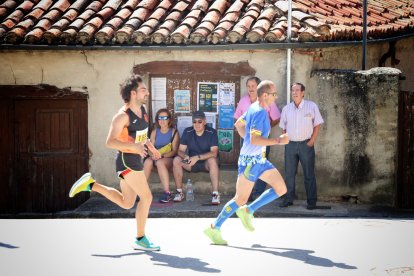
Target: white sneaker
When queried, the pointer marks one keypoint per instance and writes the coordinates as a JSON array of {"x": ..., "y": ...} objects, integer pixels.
[
  {"x": 179, "y": 196},
  {"x": 215, "y": 199}
]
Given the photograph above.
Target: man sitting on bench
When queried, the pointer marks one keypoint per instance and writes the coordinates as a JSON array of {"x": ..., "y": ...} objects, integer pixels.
[{"x": 197, "y": 152}]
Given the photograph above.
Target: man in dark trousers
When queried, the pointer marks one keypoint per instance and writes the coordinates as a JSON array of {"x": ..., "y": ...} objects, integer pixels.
[{"x": 302, "y": 120}]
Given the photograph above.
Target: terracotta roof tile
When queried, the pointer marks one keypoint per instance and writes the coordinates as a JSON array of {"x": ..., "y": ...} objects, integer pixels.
[
  {"x": 209, "y": 22},
  {"x": 226, "y": 23},
  {"x": 131, "y": 4},
  {"x": 15, "y": 16},
  {"x": 79, "y": 5},
  {"x": 182, "y": 33},
  {"x": 197, "y": 21},
  {"x": 245, "y": 22},
  {"x": 7, "y": 7},
  {"x": 142, "y": 34},
  {"x": 277, "y": 31},
  {"x": 262, "y": 24}
]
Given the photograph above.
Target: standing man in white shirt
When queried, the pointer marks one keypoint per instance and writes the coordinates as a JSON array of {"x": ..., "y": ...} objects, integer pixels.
[{"x": 302, "y": 120}]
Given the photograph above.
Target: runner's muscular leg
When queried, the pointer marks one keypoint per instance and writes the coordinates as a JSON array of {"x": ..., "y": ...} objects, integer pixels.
[
  {"x": 274, "y": 179},
  {"x": 124, "y": 199},
  {"x": 243, "y": 189},
  {"x": 137, "y": 181}
]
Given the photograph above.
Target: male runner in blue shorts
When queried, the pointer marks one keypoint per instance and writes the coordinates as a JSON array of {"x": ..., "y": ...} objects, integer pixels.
[
  {"x": 254, "y": 127},
  {"x": 129, "y": 135}
]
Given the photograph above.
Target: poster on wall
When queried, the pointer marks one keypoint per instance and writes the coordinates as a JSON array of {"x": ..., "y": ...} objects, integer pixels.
[
  {"x": 225, "y": 140},
  {"x": 207, "y": 96},
  {"x": 183, "y": 122},
  {"x": 211, "y": 119},
  {"x": 226, "y": 113},
  {"x": 158, "y": 94},
  {"x": 227, "y": 93},
  {"x": 182, "y": 101}
]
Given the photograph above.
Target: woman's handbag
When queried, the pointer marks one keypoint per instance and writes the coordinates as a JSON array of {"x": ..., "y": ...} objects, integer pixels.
[{"x": 168, "y": 147}]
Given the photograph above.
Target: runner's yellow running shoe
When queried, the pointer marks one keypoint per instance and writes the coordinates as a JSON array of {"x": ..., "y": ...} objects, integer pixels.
[
  {"x": 82, "y": 185},
  {"x": 245, "y": 217},
  {"x": 215, "y": 236}
]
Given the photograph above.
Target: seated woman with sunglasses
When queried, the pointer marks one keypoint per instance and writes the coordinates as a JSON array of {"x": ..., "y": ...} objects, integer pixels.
[{"x": 166, "y": 139}]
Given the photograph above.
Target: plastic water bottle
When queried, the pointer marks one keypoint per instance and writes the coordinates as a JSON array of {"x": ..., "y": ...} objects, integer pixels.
[{"x": 189, "y": 191}]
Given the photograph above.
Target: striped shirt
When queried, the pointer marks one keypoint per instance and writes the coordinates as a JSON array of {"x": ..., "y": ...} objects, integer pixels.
[{"x": 299, "y": 121}]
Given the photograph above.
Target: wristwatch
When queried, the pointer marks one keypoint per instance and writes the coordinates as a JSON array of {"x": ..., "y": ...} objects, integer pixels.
[{"x": 199, "y": 157}]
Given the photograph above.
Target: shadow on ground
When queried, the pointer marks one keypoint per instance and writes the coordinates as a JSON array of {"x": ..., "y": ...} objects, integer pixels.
[
  {"x": 9, "y": 246},
  {"x": 169, "y": 261},
  {"x": 297, "y": 254}
]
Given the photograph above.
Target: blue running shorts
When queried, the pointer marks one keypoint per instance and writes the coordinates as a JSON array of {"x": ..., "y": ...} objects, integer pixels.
[{"x": 253, "y": 171}]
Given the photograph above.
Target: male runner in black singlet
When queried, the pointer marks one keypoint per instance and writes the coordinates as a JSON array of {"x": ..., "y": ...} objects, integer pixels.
[{"x": 129, "y": 135}]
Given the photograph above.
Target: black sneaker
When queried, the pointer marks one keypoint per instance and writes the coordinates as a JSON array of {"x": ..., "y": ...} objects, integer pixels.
[
  {"x": 285, "y": 204},
  {"x": 166, "y": 197}
]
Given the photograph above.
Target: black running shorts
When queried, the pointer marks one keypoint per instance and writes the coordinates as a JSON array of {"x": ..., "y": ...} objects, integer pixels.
[{"x": 125, "y": 161}]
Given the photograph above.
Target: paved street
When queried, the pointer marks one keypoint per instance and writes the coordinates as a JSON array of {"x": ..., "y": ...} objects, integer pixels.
[{"x": 279, "y": 246}]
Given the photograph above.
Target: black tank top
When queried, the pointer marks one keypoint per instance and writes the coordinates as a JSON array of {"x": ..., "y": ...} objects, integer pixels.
[{"x": 137, "y": 130}]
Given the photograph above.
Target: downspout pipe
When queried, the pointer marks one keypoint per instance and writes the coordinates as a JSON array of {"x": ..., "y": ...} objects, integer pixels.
[
  {"x": 289, "y": 52},
  {"x": 364, "y": 35}
]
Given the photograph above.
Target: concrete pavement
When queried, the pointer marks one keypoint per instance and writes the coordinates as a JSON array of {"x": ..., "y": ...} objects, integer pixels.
[
  {"x": 279, "y": 246},
  {"x": 99, "y": 207}
]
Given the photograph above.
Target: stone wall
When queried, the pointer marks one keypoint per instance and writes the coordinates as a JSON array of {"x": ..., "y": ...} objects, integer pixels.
[{"x": 357, "y": 146}]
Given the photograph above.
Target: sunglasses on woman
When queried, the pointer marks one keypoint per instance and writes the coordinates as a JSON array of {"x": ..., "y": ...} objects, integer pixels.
[{"x": 163, "y": 118}]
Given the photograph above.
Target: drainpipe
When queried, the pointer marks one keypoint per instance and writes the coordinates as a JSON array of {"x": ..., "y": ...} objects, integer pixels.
[
  {"x": 364, "y": 35},
  {"x": 289, "y": 52}
]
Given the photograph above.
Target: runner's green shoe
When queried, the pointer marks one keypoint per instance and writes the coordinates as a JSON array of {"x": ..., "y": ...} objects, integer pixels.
[
  {"x": 82, "y": 185},
  {"x": 145, "y": 245},
  {"x": 215, "y": 236},
  {"x": 245, "y": 217}
]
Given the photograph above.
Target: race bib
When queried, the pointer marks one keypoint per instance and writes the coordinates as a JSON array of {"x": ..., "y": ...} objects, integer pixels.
[{"x": 141, "y": 136}]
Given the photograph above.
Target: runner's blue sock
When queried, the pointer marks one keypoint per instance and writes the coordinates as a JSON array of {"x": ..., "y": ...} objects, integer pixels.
[
  {"x": 267, "y": 196},
  {"x": 227, "y": 211}
]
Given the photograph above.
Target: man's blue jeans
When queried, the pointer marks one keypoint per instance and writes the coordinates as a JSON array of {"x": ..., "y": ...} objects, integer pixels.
[{"x": 295, "y": 152}]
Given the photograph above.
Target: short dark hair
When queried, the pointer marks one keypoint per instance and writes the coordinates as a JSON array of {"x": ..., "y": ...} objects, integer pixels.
[
  {"x": 256, "y": 79},
  {"x": 264, "y": 87},
  {"x": 170, "y": 123},
  {"x": 302, "y": 87},
  {"x": 128, "y": 85}
]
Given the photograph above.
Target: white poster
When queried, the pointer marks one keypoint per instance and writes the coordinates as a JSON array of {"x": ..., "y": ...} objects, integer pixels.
[
  {"x": 227, "y": 93},
  {"x": 211, "y": 119},
  {"x": 158, "y": 94},
  {"x": 183, "y": 122}
]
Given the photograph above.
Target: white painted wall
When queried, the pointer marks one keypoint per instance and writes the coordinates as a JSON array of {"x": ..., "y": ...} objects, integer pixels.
[{"x": 99, "y": 73}]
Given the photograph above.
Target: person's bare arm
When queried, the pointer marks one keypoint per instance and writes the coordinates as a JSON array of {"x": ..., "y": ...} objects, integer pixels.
[
  {"x": 258, "y": 140},
  {"x": 155, "y": 153},
  {"x": 181, "y": 151},
  {"x": 241, "y": 127},
  {"x": 212, "y": 153},
  {"x": 315, "y": 133},
  {"x": 119, "y": 122},
  {"x": 273, "y": 123}
]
